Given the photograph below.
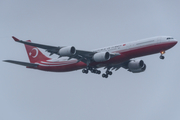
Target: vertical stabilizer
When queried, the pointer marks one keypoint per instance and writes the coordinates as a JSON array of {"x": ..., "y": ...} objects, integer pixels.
[{"x": 35, "y": 54}]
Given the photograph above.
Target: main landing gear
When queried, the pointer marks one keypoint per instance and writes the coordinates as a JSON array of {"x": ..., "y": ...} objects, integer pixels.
[
  {"x": 161, "y": 56},
  {"x": 105, "y": 75},
  {"x": 93, "y": 70}
]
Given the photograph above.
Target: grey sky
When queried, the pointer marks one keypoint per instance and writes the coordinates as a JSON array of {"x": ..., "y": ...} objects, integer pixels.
[{"x": 27, "y": 94}]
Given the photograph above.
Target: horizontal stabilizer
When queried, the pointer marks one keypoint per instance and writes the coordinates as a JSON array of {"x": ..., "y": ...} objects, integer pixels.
[{"x": 22, "y": 63}]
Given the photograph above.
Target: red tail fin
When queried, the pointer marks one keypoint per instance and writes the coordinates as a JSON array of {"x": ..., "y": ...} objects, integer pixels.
[{"x": 35, "y": 54}]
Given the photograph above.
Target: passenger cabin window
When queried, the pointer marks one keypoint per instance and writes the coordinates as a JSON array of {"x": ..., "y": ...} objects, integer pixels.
[{"x": 169, "y": 38}]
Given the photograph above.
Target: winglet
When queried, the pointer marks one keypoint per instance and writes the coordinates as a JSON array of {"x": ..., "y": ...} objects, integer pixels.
[{"x": 16, "y": 39}]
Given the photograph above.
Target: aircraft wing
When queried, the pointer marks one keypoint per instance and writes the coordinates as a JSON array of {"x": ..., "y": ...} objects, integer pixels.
[
  {"x": 47, "y": 47},
  {"x": 81, "y": 55},
  {"x": 22, "y": 63}
]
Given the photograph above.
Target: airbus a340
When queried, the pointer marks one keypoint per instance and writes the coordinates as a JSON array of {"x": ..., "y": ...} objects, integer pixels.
[{"x": 111, "y": 58}]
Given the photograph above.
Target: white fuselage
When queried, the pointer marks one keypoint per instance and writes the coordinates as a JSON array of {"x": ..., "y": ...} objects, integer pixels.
[{"x": 120, "y": 48}]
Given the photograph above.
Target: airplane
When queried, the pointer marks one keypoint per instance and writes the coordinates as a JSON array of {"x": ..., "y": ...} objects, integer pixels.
[{"x": 109, "y": 58}]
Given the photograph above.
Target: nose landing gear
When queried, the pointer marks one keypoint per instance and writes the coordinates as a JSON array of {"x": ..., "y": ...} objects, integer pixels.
[{"x": 161, "y": 56}]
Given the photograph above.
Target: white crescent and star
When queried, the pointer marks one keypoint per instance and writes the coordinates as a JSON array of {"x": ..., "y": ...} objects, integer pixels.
[{"x": 35, "y": 54}]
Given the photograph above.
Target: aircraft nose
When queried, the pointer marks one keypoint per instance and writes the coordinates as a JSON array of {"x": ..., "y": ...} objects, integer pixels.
[{"x": 175, "y": 42}]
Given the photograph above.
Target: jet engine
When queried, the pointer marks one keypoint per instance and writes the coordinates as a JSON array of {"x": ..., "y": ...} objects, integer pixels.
[
  {"x": 67, "y": 51},
  {"x": 101, "y": 56},
  {"x": 136, "y": 66}
]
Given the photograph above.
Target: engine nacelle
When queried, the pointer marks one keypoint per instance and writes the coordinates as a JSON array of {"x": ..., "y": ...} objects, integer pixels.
[
  {"x": 101, "y": 56},
  {"x": 67, "y": 51},
  {"x": 136, "y": 66}
]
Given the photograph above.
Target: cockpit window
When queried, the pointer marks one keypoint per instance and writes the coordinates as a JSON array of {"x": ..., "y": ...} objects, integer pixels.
[{"x": 169, "y": 38}]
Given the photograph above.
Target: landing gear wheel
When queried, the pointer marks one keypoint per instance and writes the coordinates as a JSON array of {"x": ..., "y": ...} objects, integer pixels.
[
  {"x": 104, "y": 75},
  {"x": 95, "y": 71},
  {"x": 85, "y": 71},
  {"x": 98, "y": 72},
  {"x": 162, "y": 57},
  {"x": 108, "y": 72}
]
